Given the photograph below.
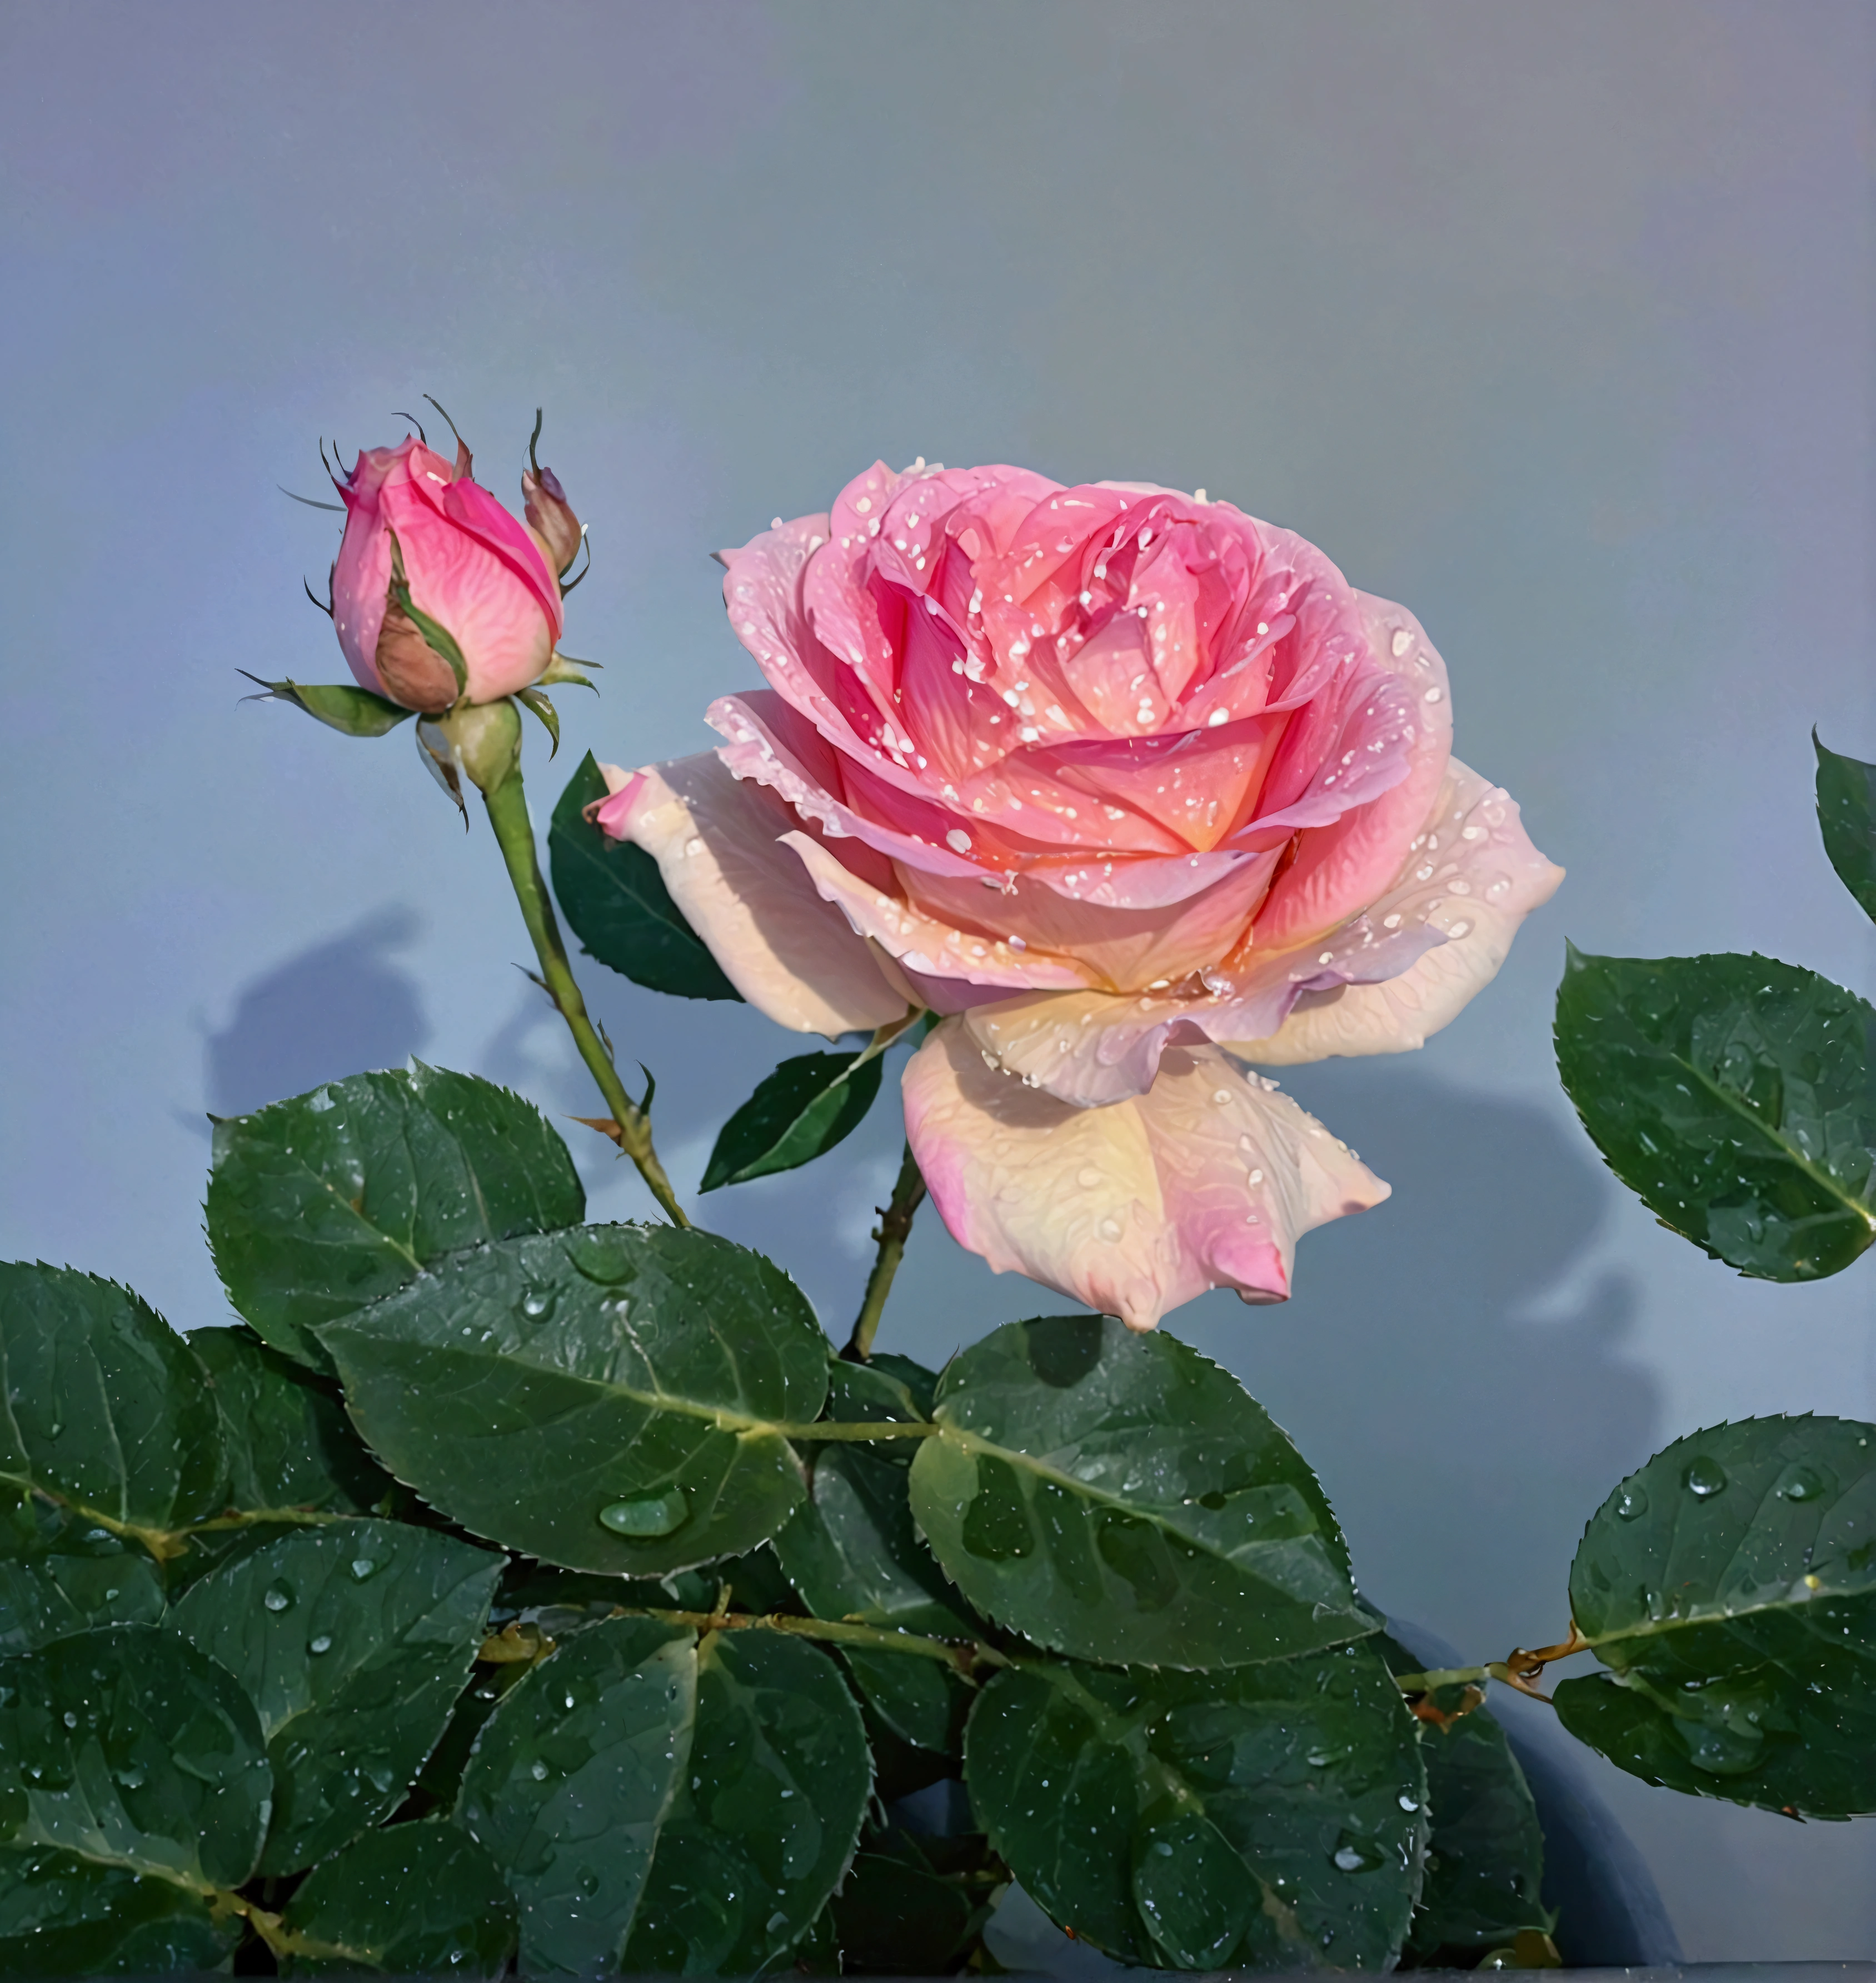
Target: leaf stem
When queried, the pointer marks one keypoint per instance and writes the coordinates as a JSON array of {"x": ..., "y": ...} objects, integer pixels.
[
  {"x": 859, "y": 1429},
  {"x": 894, "y": 1228},
  {"x": 630, "y": 1125},
  {"x": 963, "y": 1655}
]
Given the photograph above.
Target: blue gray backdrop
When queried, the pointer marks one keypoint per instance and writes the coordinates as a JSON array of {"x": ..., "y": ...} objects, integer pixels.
[{"x": 1553, "y": 323}]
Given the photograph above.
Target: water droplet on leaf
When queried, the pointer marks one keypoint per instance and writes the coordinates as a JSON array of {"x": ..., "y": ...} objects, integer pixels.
[
  {"x": 656, "y": 1515},
  {"x": 1705, "y": 1478},
  {"x": 277, "y": 1596}
]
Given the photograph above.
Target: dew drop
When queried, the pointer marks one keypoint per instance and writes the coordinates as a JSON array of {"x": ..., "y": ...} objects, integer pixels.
[
  {"x": 1800, "y": 1484},
  {"x": 278, "y": 1597},
  {"x": 538, "y": 1770},
  {"x": 536, "y": 1305},
  {"x": 1631, "y": 1501},
  {"x": 655, "y": 1515},
  {"x": 323, "y": 1643},
  {"x": 70, "y": 1717},
  {"x": 587, "y": 1882},
  {"x": 1705, "y": 1478},
  {"x": 1408, "y": 1803},
  {"x": 362, "y": 1567}
]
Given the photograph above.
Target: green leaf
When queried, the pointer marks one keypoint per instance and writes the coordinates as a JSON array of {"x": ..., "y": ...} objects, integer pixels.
[
  {"x": 128, "y": 1745},
  {"x": 616, "y": 902},
  {"x": 608, "y": 1398},
  {"x": 798, "y": 1113},
  {"x": 1269, "y": 1816},
  {"x": 571, "y": 1778},
  {"x": 898, "y": 1915},
  {"x": 103, "y": 1406},
  {"x": 355, "y": 712},
  {"x": 1484, "y": 1878},
  {"x": 353, "y": 1639},
  {"x": 289, "y": 1443},
  {"x": 1847, "y": 814},
  {"x": 920, "y": 1701},
  {"x": 921, "y": 1384},
  {"x": 1119, "y": 1497},
  {"x": 416, "y": 1899},
  {"x": 1730, "y": 1587},
  {"x": 766, "y": 1814},
  {"x": 61, "y": 1915},
  {"x": 59, "y": 1573},
  {"x": 1736, "y": 1095},
  {"x": 320, "y": 1205}
]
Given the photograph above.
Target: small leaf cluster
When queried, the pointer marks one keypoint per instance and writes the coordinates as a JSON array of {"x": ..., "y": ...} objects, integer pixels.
[
  {"x": 1736, "y": 1095},
  {"x": 510, "y": 1591}
]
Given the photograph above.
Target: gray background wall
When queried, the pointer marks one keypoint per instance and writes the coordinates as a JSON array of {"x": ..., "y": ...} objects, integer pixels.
[{"x": 1553, "y": 323}]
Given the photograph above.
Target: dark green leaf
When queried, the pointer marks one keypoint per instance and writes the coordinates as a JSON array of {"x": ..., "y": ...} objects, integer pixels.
[
  {"x": 617, "y": 903},
  {"x": 353, "y": 1639},
  {"x": 320, "y": 1205},
  {"x": 60, "y": 1572},
  {"x": 766, "y": 1814},
  {"x": 416, "y": 1899},
  {"x": 798, "y": 1113},
  {"x": 355, "y": 712},
  {"x": 570, "y": 1780},
  {"x": 1119, "y": 1497},
  {"x": 920, "y": 1701},
  {"x": 1736, "y": 1095},
  {"x": 1485, "y": 1861},
  {"x": 289, "y": 1442},
  {"x": 607, "y": 1399},
  {"x": 1731, "y": 1586},
  {"x": 1271, "y": 1816},
  {"x": 921, "y": 1384},
  {"x": 129, "y": 1746},
  {"x": 896, "y": 1914},
  {"x": 103, "y": 1406},
  {"x": 61, "y": 1915},
  {"x": 1847, "y": 814}
]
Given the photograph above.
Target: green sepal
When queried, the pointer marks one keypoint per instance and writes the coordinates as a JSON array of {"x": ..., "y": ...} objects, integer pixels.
[
  {"x": 340, "y": 706},
  {"x": 437, "y": 637},
  {"x": 797, "y": 1113},
  {"x": 543, "y": 706},
  {"x": 616, "y": 902},
  {"x": 1847, "y": 817},
  {"x": 1736, "y": 1096}
]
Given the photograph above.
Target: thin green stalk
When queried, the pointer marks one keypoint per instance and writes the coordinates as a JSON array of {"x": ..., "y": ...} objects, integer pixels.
[
  {"x": 963, "y": 1655},
  {"x": 514, "y": 834},
  {"x": 859, "y": 1429},
  {"x": 894, "y": 1228}
]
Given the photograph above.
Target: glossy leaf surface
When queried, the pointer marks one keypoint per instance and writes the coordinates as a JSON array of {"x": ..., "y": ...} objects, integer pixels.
[
  {"x": 1730, "y": 1586},
  {"x": 1119, "y": 1497},
  {"x": 59, "y": 1573},
  {"x": 353, "y": 1639},
  {"x": 1847, "y": 814},
  {"x": 613, "y": 896},
  {"x": 605, "y": 1399},
  {"x": 320, "y": 1204},
  {"x": 1272, "y": 1816},
  {"x": 1736, "y": 1096},
  {"x": 797, "y": 1113},
  {"x": 415, "y": 1900},
  {"x": 61, "y": 1915},
  {"x": 1484, "y": 1876},
  {"x": 289, "y": 1442},
  {"x": 766, "y": 1814},
  {"x": 571, "y": 1778},
  {"x": 103, "y": 1406},
  {"x": 129, "y": 1746},
  {"x": 897, "y": 1914}
]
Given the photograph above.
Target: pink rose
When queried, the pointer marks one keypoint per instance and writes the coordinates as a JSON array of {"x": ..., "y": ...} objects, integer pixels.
[
  {"x": 413, "y": 521},
  {"x": 1135, "y": 789}
]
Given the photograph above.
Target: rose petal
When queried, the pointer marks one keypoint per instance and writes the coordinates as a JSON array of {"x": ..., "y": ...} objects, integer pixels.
[
  {"x": 1474, "y": 876},
  {"x": 717, "y": 843},
  {"x": 1207, "y": 1180}
]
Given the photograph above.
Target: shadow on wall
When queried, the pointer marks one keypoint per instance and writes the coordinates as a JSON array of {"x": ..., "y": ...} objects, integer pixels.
[
  {"x": 338, "y": 1009},
  {"x": 1450, "y": 1362}
]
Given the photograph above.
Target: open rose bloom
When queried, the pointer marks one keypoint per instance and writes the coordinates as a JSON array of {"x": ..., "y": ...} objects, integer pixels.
[{"x": 1140, "y": 794}]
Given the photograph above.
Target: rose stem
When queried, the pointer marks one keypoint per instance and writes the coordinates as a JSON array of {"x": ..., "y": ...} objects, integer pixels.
[
  {"x": 514, "y": 832},
  {"x": 894, "y": 1228}
]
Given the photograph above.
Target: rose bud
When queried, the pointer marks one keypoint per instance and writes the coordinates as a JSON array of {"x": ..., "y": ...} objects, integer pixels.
[
  {"x": 439, "y": 594},
  {"x": 1133, "y": 789},
  {"x": 550, "y": 520}
]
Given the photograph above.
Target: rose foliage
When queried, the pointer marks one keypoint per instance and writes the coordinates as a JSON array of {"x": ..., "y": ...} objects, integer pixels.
[{"x": 511, "y": 1592}]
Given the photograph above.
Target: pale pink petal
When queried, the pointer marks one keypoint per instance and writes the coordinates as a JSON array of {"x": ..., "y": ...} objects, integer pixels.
[
  {"x": 1340, "y": 868},
  {"x": 1474, "y": 876},
  {"x": 1206, "y": 1181},
  {"x": 718, "y": 845}
]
